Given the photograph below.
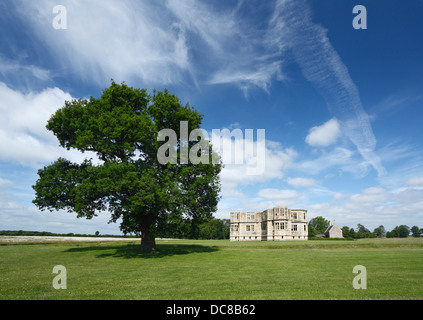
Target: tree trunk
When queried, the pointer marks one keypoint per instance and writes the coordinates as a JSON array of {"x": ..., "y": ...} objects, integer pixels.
[{"x": 148, "y": 241}]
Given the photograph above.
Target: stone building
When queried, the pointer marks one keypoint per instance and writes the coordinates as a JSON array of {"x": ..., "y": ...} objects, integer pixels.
[
  {"x": 279, "y": 223},
  {"x": 333, "y": 231}
]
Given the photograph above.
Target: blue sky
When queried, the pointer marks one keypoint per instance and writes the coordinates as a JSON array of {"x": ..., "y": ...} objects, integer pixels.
[{"x": 341, "y": 107}]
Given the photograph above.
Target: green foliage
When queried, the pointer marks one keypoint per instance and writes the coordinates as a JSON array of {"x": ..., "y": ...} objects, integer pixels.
[
  {"x": 311, "y": 231},
  {"x": 380, "y": 232},
  {"x": 401, "y": 231},
  {"x": 416, "y": 231},
  {"x": 363, "y": 232},
  {"x": 179, "y": 228},
  {"x": 362, "y": 229},
  {"x": 318, "y": 225},
  {"x": 215, "y": 229},
  {"x": 348, "y": 232},
  {"x": 121, "y": 127}
]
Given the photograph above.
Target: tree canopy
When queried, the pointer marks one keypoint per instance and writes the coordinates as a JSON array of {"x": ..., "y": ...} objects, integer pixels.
[
  {"x": 122, "y": 128},
  {"x": 318, "y": 225}
]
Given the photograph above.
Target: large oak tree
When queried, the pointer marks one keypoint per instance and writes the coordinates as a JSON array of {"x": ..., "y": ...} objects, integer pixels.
[{"x": 122, "y": 128}]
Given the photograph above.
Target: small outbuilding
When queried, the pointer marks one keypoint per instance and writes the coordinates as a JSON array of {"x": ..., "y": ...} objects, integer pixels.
[{"x": 333, "y": 231}]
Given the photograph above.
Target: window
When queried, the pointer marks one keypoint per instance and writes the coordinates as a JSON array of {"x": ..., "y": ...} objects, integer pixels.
[
  {"x": 280, "y": 225},
  {"x": 294, "y": 227},
  {"x": 294, "y": 215},
  {"x": 305, "y": 227},
  {"x": 234, "y": 227},
  {"x": 249, "y": 227}
]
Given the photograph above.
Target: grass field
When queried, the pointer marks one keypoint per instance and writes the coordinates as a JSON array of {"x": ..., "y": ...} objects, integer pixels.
[{"x": 208, "y": 269}]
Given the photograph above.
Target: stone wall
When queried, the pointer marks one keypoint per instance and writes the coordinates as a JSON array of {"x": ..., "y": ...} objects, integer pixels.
[{"x": 279, "y": 223}]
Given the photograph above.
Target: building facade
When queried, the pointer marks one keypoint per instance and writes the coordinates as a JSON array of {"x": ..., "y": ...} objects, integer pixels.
[
  {"x": 333, "y": 231},
  {"x": 279, "y": 223}
]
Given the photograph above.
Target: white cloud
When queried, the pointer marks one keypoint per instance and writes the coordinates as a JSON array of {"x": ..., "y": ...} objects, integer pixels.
[
  {"x": 417, "y": 181},
  {"x": 279, "y": 195},
  {"x": 276, "y": 161},
  {"x": 24, "y": 138},
  {"x": 301, "y": 182},
  {"x": 324, "y": 135},
  {"x": 368, "y": 196},
  {"x": 5, "y": 182},
  {"x": 30, "y": 112},
  {"x": 236, "y": 180},
  {"x": 15, "y": 216}
]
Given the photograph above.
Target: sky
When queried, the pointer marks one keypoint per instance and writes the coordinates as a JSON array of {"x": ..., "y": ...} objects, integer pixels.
[{"x": 341, "y": 105}]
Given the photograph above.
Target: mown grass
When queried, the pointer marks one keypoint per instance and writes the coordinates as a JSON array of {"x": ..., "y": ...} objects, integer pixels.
[{"x": 208, "y": 269}]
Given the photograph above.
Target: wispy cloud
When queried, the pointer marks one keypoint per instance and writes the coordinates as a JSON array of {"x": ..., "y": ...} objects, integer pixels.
[
  {"x": 292, "y": 26},
  {"x": 231, "y": 47},
  {"x": 22, "y": 74},
  {"x": 394, "y": 104},
  {"x": 169, "y": 42},
  {"x": 339, "y": 159},
  {"x": 301, "y": 182},
  {"x": 105, "y": 39}
]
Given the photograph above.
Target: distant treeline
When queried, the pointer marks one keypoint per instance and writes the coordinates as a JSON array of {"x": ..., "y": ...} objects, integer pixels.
[
  {"x": 318, "y": 225},
  {"x": 51, "y": 234},
  {"x": 219, "y": 229},
  {"x": 401, "y": 231},
  {"x": 211, "y": 229}
]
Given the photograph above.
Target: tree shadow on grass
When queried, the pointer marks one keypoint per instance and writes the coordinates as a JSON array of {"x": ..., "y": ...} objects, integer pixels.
[{"x": 133, "y": 251}]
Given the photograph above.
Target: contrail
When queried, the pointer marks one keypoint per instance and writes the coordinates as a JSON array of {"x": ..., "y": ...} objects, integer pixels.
[{"x": 292, "y": 28}]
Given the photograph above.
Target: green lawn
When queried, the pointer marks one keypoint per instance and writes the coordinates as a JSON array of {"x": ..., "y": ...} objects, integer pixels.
[{"x": 190, "y": 269}]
